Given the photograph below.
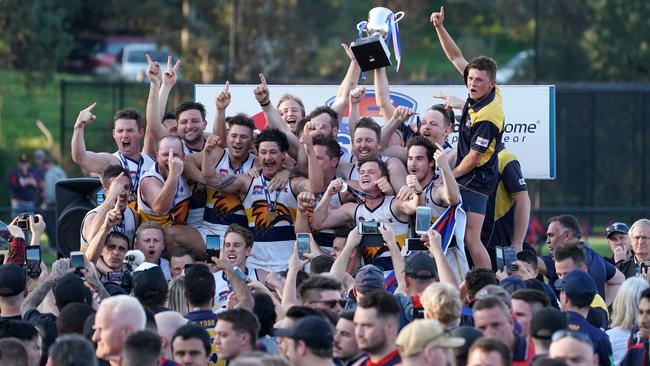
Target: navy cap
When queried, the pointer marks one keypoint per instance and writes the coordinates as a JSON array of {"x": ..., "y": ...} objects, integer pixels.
[
  {"x": 420, "y": 265},
  {"x": 314, "y": 330},
  {"x": 12, "y": 280},
  {"x": 617, "y": 227},
  {"x": 577, "y": 284},
  {"x": 369, "y": 279}
]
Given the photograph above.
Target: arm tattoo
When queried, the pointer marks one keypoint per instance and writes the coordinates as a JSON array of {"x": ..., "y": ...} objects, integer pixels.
[{"x": 222, "y": 180}]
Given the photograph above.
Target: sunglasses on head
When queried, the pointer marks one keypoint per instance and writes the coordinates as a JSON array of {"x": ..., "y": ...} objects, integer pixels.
[
  {"x": 332, "y": 303},
  {"x": 579, "y": 336}
]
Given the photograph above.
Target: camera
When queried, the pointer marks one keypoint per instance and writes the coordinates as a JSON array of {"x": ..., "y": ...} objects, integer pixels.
[
  {"x": 132, "y": 260},
  {"x": 23, "y": 220}
]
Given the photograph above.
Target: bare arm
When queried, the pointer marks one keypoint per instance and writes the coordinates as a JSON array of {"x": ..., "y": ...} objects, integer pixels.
[
  {"x": 356, "y": 95},
  {"x": 349, "y": 82},
  {"x": 160, "y": 196},
  {"x": 469, "y": 162},
  {"x": 289, "y": 295},
  {"x": 35, "y": 298},
  {"x": 97, "y": 241},
  {"x": 448, "y": 45},
  {"x": 450, "y": 193},
  {"x": 315, "y": 172},
  {"x": 239, "y": 287},
  {"x": 522, "y": 216},
  {"x": 89, "y": 161},
  {"x": 273, "y": 116},
  {"x": 388, "y": 235},
  {"x": 399, "y": 116},
  {"x": 340, "y": 265},
  {"x": 445, "y": 274},
  {"x": 192, "y": 167},
  {"x": 154, "y": 128},
  {"x": 219, "y": 127},
  {"x": 397, "y": 174},
  {"x": 324, "y": 218},
  {"x": 382, "y": 94},
  {"x": 305, "y": 200}
]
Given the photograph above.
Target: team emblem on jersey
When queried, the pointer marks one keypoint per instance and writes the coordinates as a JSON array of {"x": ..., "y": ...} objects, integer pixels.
[
  {"x": 258, "y": 189},
  {"x": 265, "y": 219},
  {"x": 226, "y": 204}
]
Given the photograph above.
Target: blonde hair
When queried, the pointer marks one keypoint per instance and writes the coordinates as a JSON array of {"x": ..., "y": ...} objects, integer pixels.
[
  {"x": 626, "y": 302},
  {"x": 441, "y": 302},
  {"x": 176, "y": 300}
]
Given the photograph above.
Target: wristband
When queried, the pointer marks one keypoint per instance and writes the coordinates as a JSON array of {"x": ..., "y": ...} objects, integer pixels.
[{"x": 265, "y": 104}]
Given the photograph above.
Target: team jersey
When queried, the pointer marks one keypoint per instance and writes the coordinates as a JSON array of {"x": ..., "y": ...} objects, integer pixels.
[
  {"x": 271, "y": 218},
  {"x": 380, "y": 213},
  {"x": 178, "y": 214},
  {"x": 481, "y": 127},
  {"x": 221, "y": 208},
  {"x": 436, "y": 209},
  {"x": 599, "y": 338},
  {"x": 223, "y": 288},
  {"x": 354, "y": 172},
  {"x": 499, "y": 222},
  {"x": 207, "y": 320},
  {"x": 136, "y": 169},
  {"x": 126, "y": 227},
  {"x": 325, "y": 238}
]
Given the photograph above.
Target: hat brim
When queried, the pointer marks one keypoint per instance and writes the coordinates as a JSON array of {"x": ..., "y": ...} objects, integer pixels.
[
  {"x": 450, "y": 342},
  {"x": 614, "y": 232},
  {"x": 282, "y": 332}
]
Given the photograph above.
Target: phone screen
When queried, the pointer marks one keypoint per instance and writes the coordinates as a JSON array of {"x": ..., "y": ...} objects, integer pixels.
[
  {"x": 33, "y": 253},
  {"x": 369, "y": 227},
  {"x": 302, "y": 240},
  {"x": 213, "y": 246},
  {"x": 500, "y": 262},
  {"x": 77, "y": 260},
  {"x": 115, "y": 276},
  {"x": 509, "y": 257},
  {"x": 423, "y": 220},
  {"x": 415, "y": 244}
]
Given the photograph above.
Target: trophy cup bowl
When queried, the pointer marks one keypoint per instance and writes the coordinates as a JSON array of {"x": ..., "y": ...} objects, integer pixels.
[{"x": 372, "y": 51}]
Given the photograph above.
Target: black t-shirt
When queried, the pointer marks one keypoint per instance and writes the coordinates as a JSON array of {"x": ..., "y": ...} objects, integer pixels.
[{"x": 47, "y": 322}]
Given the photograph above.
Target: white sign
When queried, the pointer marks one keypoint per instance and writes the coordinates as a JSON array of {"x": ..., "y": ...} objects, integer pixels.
[{"x": 529, "y": 130}]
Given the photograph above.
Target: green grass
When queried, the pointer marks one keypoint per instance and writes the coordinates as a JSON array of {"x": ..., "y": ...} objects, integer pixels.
[{"x": 597, "y": 243}]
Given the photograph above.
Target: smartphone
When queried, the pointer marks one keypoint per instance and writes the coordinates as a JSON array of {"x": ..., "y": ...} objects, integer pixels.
[
  {"x": 241, "y": 274},
  {"x": 415, "y": 244},
  {"x": 77, "y": 260},
  {"x": 505, "y": 257},
  {"x": 303, "y": 244},
  {"x": 213, "y": 246},
  {"x": 422, "y": 220},
  {"x": 115, "y": 276},
  {"x": 368, "y": 227},
  {"x": 33, "y": 261}
]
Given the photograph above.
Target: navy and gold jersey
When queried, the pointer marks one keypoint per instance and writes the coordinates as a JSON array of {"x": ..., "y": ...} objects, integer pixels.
[
  {"x": 499, "y": 222},
  {"x": 481, "y": 127}
]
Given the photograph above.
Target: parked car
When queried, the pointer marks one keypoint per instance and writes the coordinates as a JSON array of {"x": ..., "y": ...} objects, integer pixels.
[
  {"x": 515, "y": 67},
  {"x": 131, "y": 63},
  {"x": 103, "y": 56}
]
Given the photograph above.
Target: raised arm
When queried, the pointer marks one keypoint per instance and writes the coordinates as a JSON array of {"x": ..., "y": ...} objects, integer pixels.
[
  {"x": 397, "y": 118},
  {"x": 289, "y": 296},
  {"x": 356, "y": 95},
  {"x": 92, "y": 226},
  {"x": 273, "y": 117},
  {"x": 397, "y": 173},
  {"x": 349, "y": 82},
  {"x": 388, "y": 235},
  {"x": 239, "y": 287},
  {"x": 160, "y": 196},
  {"x": 340, "y": 265},
  {"x": 382, "y": 94},
  {"x": 305, "y": 200},
  {"x": 169, "y": 78},
  {"x": 219, "y": 127},
  {"x": 448, "y": 45},
  {"x": 89, "y": 161},
  {"x": 445, "y": 274},
  {"x": 36, "y": 296},
  {"x": 450, "y": 193},
  {"x": 154, "y": 130},
  {"x": 325, "y": 218},
  {"x": 97, "y": 241},
  {"x": 315, "y": 173}
]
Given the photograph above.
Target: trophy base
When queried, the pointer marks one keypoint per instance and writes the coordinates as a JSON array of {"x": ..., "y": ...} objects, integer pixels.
[{"x": 371, "y": 53}]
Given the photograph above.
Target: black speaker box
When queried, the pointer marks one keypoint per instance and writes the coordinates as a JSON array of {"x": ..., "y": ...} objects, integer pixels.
[{"x": 74, "y": 198}]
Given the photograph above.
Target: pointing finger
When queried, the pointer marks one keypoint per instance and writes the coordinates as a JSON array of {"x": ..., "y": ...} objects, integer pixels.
[
  {"x": 177, "y": 65},
  {"x": 227, "y": 88},
  {"x": 263, "y": 79},
  {"x": 146, "y": 56},
  {"x": 169, "y": 62},
  {"x": 442, "y": 11},
  {"x": 90, "y": 107}
]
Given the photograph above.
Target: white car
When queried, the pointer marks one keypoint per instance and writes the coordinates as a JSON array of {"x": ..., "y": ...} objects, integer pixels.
[
  {"x": 131, "y": 63},
  {"x": 514, "y": 67}
]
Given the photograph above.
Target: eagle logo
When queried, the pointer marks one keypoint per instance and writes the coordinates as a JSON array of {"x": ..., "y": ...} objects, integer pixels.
[
  {"x": 226, "y": 203},
  {"x": 264, "y": 219}
]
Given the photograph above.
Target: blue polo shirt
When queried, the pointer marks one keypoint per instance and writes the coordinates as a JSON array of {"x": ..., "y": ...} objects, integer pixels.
[
  {"x": 598, "y": 268},
  {"x": 599, "y": 338}
]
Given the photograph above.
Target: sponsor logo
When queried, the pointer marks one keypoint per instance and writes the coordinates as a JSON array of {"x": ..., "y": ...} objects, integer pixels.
[
  {"x": 258, "y": 189},
  {"x": 480, "y": 141},
  {"x": 522, "y": 182}
]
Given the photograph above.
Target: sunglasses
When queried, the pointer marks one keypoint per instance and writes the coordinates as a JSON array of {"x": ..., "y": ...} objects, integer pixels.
[
  {"x": 332, "y": 303},
  {"x": 579, "y": 336}
]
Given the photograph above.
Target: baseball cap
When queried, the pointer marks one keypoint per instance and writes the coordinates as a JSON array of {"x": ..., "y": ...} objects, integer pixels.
[
  {"x": 12, "y": 280},
  {"x": 421, "y": 333},
  {"x": 70, "y": 288},
  {"x": 577, "y": 284},
  {"x": 369, "y": 278},
  {"x": 148, "y": 280},
  {"x": 617, "y": 227},
  {"x": 40, "y": 154},
  {"x": 314, "y": 330},
  {"x": 420, "y": 266},
  {"x": 512, "y": 283},
  {"x": 546, "y": 322}
]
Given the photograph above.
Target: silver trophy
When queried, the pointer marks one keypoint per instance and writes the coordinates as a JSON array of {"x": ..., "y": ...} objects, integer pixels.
[{"x": 372, "y": 50}]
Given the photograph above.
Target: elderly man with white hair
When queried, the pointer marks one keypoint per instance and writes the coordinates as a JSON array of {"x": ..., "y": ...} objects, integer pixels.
[
  {"x": 116, "y": 318},
  {"x": 640, "y": 237}
]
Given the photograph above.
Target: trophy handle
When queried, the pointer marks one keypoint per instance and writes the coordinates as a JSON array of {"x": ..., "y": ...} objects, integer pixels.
[
  {"x": 361, "y": 25},
  {"x": 399, "y": 15}
]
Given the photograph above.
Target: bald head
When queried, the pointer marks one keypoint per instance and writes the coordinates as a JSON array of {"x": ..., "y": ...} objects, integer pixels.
[{"x": 168, "y": 322}]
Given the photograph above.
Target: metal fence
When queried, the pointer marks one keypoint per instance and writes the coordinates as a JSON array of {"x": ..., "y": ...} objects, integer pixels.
[{"x": 602, "y": 164}]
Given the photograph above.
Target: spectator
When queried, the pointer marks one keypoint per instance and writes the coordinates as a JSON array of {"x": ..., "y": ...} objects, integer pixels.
[
  {"x": 179, "y": 257},
  {"x": 309, "y": 342},
  {"x": 525, "y": 304},
  {"x": 637, "y": 353},
  {"x": 542, "y": 327},
  {"x": 116, "y": 318},
  {"x": 199, "y": 292},
  {"x": 28, "y": 335},
  {"x": 176, "y": 300},
  {"x": 441, "y": 302},
  {"x": 150, "y": 240},
  {"x": 72, "y": 317},
  {"x": 53, "y": 174},
  {"x": 170, "y": 123},
  {"x": 264, "y": 310},
  {"x": 292, "y": 315},
  {"x": 475, "y": 280},
  {"x": 624, "y": 312},
  {"x": 574, "y": 348},
  {"x": 470, "y": 335},
  {"x": 13, "y": 291},
  {"x": 619, "y": 242},
  {"x": 191, "y": 345},
  {"x": 141, "y": 348},
  {"x": 493, "y": 318},
  {"x": 236, "y": 333},
  {"x": 14, "y": 353},
  {"x": 322, "y": 291},
  {"x": 168, "y": 323},
  {"x": 24, "y": 185},
  {"x": 577, "y": 291},
  {"x": 489, "y": 351},
  {"x": 346, "y": 349},
  {"x": 426, "y": 343},
  {"x": 640, "y": 236},
  {"x": 150, "y": 287},
  {"x": 376, "y": 323}
]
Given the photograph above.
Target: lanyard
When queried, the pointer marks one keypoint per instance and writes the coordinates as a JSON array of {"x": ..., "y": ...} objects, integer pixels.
[
  {"x": 125, "y": 164},
  {"x": 270, "y": 204},
  {"x": 240, "y": 170},
  {"x": 360, "y": 196}
]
